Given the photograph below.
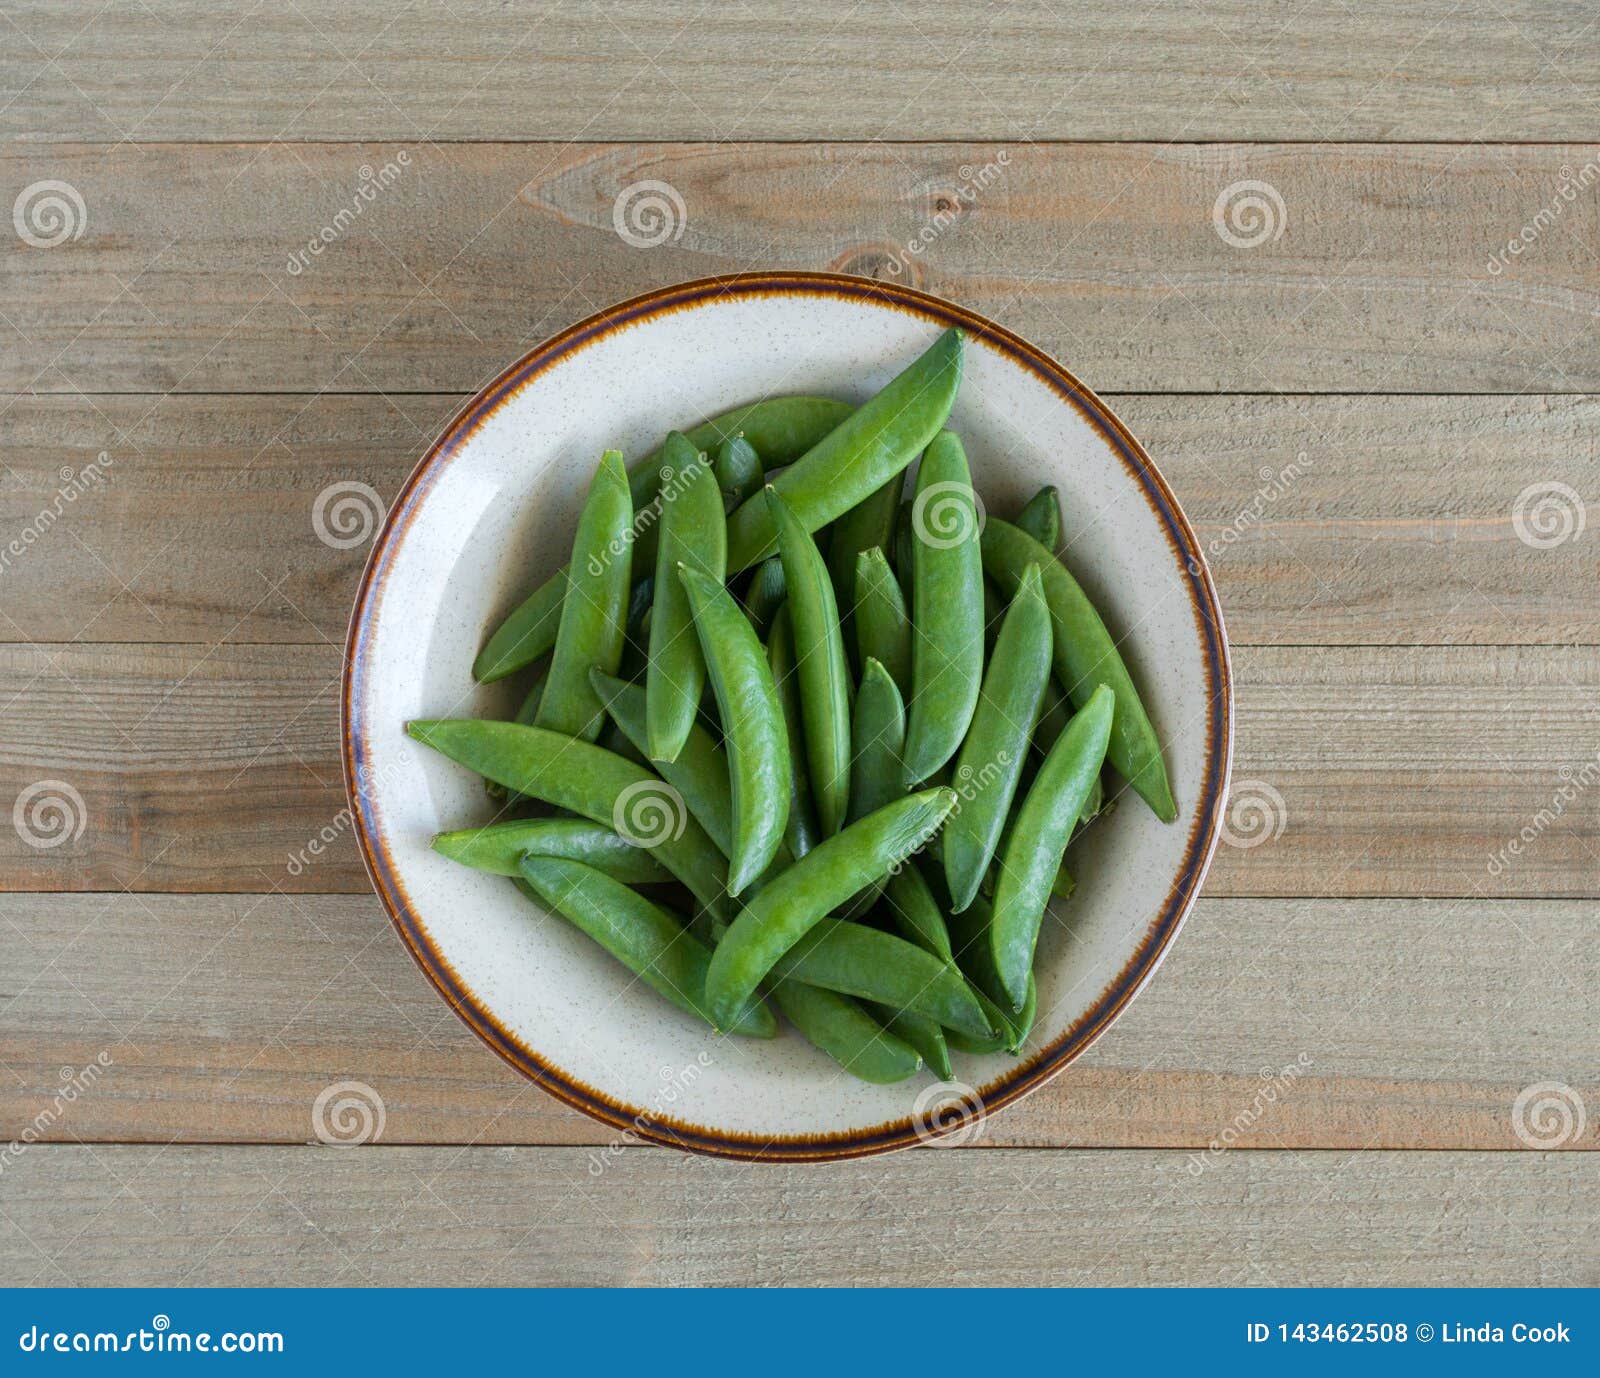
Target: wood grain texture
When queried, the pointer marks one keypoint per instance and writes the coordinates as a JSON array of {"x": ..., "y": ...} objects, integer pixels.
[
  {"x": 1401, "y": 1023},
  {"x": 540, "y": 1216},
  {"x": 1357, "y": 770},
  {"x": 1327, "y": 520},
  {"x": 1380, "y": 275},
  {"x": 1405, "y": 69}
]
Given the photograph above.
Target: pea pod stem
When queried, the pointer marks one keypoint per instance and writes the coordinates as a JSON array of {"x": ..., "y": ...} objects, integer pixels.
[{"x": 1041, "y": 518}]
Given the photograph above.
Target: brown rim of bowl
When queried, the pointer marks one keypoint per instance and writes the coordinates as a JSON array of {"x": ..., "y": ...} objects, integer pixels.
[{"x": 1016, "y": 1081}]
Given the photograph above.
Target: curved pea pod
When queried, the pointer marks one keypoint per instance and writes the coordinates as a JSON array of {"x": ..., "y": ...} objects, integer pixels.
[
  {"x": 838, "y": 1026},
  {"x": 859, "y": 456},
  {"x": 594, "y": 610},
  {"x": 738, "y": 473},
  {"x": 780, "y": 428},
  {"x": 1086, "y": 657},
  {"x": 752, "y": 724},
  {"x": 800, "y": 833},
  {"x": 766, "y": 594},
  {"x": 923, "y": 1035},
  {"x": 873, "y": 965},
  {"x": 882, "y": 624},
  {"x": 647, "y": 939},
  {"x": 969, "y": 936},
  {"x": 498, "y": 847},
  {"x": 820, "y": 666},
  {"x": 1032, "y": 854},
  {"x": 693, "y": 534},
  {"x": 911, "y": 906},
  {"x": 786, "y": 907},
  {"x": 866, "y": 526},
  {"x": 992, "y": 757},
  {"x": 587, "y": 780},
  {"x": 1041, "y": 518},
  {"x": 700, "y": 772},
  {"x": 946, "y": 609}
]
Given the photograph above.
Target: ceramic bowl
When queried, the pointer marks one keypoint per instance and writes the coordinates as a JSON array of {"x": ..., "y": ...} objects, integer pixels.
[{"x": 490, "y": 511}]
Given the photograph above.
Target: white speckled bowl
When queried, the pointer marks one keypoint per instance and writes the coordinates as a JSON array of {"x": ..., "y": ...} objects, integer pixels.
[{"x": 490, "y": 511}]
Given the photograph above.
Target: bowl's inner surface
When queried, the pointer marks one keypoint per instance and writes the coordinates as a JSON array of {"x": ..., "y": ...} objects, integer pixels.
[{"x": 495, "y": 514}]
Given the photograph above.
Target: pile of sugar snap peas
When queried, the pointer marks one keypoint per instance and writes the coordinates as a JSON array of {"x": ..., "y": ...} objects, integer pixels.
[{"x": 806, "y": 737}]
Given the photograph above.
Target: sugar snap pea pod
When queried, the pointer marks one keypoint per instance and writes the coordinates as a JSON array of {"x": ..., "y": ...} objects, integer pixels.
[
  {"x": 996, "y": 747},
  {"x": 882, "y": 624},
  {"x": 594, "y": 610},
  {"x": 700, "y": 772},
  {"x": 903, "y": 542},
  {"x": 752, "y": 724},
  {"x": 1041, "y": 518},
  {"x": 1032, "y": 854},
  {"x": 862, "y": 454},
  {"x": 647, "y": 939},
  {"x": 779, "y": 428},
  {"x": 969, "y": 936},
  {"x": 877, "y": 734},
  {"x": 738, "y": 473},
  {"x": 785, "y": 908},
  {"x": 800, "y": 833},
  {"x": 877, "y": 966},
  {"x": 1085, "y": 657},
  {"x": 911, "y": 906},
  {"x": 838, "y": 1026},
  {"x": 525, "y": 715},
  {"x": 1055, "y": 708},
  {"x": 946, "y": 609},
  {"x": 866, "y": 526},
  {"x": 693, "y": 534},
  {"x": 923, "y": 1034},
  {"x": 820, "y": 665},
  {"x": 587, "y": 780},
  {"x": 766, "y": 592},
  {"x": 498, "y": 847}
]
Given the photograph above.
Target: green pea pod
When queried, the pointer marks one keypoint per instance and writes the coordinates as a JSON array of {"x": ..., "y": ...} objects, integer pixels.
[
  {"x": 738, "y": 473},
  {"x": 766, "y": 594},
  {"x": 1041, "y": 518},
  {"x": 498, "y": 847},
  {"x": 780, "y": 428},
  {"x": 911, "y": 906},
  {"x": 923, "y": 1034},
  {"x": 862, "y": 454},
  {"x": 866, "y": 526},
  {"x": 752, "y": 724},
  {"x": 970, "y": 938},
  {"x": 525, "y": 715},
  {"x": 800, "y": 833},
  {"x": 820, "y": 664},
  {"x": 592, "y": 782},
  {"x": 849, "y": 1035},
  {"x": 1033, "y": 852},
  {"x": 693, "y": 534},
  {"x": 1086, "y": 657},
  {"x": 882, "y": 624},
  {"x": 594, "y": 611},
  {"x": 903, "y": 543},
  {"x": 873, "y": 965},
  {"x": 785, "y": 908},
  {"x": 992, "y": 757},
  {"x": 647, "y": 939},
  {"x": 946, "y": 609},
  {"x": 700, "y": 772},
  {"x": 877, "y": 735},
  {"x": 1055, "y": 709}
]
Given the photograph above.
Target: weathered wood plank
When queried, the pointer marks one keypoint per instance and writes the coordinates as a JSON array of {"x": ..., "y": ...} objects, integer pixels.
[
  {"x": 1407, "y": 69},
  {"x": 217, "y": 1018},
  {"x": 145, "y": 1215},
  {"x": 1373, "y": 770},
  {"x": 1327, "y": 519},
  {"x": 435, "y": 265}
]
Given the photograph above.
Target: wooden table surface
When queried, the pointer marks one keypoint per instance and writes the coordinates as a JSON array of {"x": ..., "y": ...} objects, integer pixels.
[{"x": 1374, "y": 399}]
